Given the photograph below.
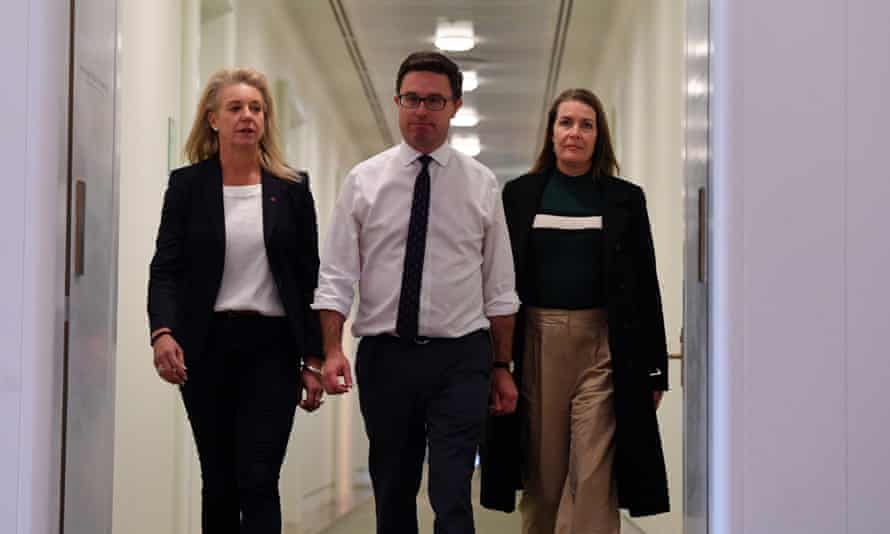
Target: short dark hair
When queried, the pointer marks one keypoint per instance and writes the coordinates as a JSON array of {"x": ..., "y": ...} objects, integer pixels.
[
  {"x": 603, "y": 161},
  {"x": 432, "y": 62}
]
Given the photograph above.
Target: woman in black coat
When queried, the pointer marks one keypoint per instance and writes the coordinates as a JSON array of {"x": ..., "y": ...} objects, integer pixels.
[
  {"x": 590, "y": 350},
  {"x": 231, "y": 281}
]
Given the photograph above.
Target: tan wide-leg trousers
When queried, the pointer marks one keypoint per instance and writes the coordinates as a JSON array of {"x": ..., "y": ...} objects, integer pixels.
[{"x": 567, "y": 388}]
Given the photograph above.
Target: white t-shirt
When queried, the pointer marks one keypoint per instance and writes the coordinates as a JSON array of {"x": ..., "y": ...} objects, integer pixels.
[{"x": 247, "y": 282}]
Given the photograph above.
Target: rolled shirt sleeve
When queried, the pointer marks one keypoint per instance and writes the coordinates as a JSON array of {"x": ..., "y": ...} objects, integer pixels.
[
  {"x": 498, "y": 276},
  {"x": 340, "y": 264}
]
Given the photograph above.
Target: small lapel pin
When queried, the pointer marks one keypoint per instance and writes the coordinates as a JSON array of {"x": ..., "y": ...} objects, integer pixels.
[{"x": 273, "y": 199}]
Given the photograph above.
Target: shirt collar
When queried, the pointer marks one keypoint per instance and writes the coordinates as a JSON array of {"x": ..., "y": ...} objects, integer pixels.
[{"x": 407, "y": 154}]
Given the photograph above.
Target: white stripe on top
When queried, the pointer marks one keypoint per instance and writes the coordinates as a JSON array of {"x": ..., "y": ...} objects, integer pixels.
[{"x": 559, "y": 222}]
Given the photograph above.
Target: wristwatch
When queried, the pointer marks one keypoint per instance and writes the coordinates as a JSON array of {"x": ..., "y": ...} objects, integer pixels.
[{"x": 497, "y": 364}]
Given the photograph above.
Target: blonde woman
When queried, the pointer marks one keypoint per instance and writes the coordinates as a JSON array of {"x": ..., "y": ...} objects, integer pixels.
[{"x": 231, "y": 281}]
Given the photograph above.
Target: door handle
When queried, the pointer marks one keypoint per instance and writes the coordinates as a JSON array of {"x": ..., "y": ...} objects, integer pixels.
[
  {"x": 702, "y": 235},
  {"x": 80, "y": 202}
]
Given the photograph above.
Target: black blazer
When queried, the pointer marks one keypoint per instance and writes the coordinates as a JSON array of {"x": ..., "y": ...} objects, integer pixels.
[
  {"x": 636, "y": 339},
  {"x": 187, "y": 267}
]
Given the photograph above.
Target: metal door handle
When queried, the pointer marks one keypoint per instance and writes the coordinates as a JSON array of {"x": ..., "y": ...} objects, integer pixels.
[
  {"x": 702, "y": 235},
  {"x": 80, "y": 202}
]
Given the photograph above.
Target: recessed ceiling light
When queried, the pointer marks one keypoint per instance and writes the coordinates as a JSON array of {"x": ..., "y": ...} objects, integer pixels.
[
  {"x": 471, "y": 81},
  {"x": 466, "y": 117},
  {"x": 467, "y": 143},
  {"x": 455, "y": 36}
]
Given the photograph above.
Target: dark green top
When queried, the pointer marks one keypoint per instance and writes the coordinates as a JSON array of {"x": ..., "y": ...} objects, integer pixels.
[{"x": 566, "y": 244}]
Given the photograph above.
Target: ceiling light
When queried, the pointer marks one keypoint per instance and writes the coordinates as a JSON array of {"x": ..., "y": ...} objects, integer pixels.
[
  {"x": 466, "y": 117},
  {"x": 455, "y": 36},
  {"x": 471, "y": 81},
  {"x": 467, "y": 143}
]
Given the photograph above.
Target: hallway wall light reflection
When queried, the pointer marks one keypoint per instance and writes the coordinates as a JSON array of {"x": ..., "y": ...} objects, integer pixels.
[
  {"x": 696, "y": 88},
  {"x": 467, "y": 143},
  {"x": 471, "y": 81},
  {"x": 697, "y": 154},
  {"x": 697, "y": 123},
  {"x": 455, "y": 36},
  {"x": 466, "y": 117},
  {"x": 698, "y": 48}
]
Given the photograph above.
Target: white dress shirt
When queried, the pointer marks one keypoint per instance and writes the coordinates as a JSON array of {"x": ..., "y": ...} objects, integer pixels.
[
  {"x": 468, "y": 265},
  {"x": 247, "y": 282}
]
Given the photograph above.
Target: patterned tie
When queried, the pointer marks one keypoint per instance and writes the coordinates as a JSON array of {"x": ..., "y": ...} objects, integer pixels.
[{"x": 415, "y": 246}]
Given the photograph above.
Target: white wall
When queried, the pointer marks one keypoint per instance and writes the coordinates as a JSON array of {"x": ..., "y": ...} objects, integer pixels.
[
  {"x": 166, "y": 55},
  {"x": 34, "y": 37},
  {"x": 639, "y": 78},
  {"x": 800, "y": 289},
  {"x": 148, "y": 428}
]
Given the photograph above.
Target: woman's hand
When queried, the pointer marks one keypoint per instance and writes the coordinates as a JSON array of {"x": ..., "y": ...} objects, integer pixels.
[
  {"x": 311, "y": 378},
  {"x": 169, "y": 360},
  {"x": 657, "y": 396}
]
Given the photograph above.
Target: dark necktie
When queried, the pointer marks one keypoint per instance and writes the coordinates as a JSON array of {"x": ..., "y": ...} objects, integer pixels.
[{"x": 415, "y": 246}]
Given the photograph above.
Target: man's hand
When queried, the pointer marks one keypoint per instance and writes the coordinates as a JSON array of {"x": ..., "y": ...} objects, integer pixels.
[
  {"x": 169, "y": 360},
  {"x": 503, "y": 389},
  {"x": 503, "y": 392},
  {"x": 335, "y": 362},
  {"x": 335, "y": 366}
]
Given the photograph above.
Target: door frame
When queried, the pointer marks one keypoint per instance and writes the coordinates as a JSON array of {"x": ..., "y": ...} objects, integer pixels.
[{"x": 696, "y": 290}]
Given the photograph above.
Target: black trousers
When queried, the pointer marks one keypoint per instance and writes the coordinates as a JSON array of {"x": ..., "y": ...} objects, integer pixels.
[
  {"x": 418, "y": 395},
  {"x": 241, "y": 397}
]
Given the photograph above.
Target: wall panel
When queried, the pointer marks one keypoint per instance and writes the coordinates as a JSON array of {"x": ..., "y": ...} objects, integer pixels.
[
  {"x": 13, "y": 36},
  {"x": 793, "y": 249},
  {"x": 800, "y": 152},
  {"x": 867, "y": 265}
]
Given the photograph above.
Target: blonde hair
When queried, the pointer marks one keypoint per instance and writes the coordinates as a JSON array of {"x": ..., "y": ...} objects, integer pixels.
[{"x": 203, "y": 142}]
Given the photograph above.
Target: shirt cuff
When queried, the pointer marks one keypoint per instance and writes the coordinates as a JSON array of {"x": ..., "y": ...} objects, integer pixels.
[
  {"x": 504, "y": 304},
  {"x": 328, "y": 303}
]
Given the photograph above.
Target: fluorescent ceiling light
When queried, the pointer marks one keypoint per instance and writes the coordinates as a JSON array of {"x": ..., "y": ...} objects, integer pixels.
[
  {"x": 466, "y": 117},
  {"x": 455, "y": 36},
  {"x": 471, "y": 81},
  {"x": 467, "y": 143}
]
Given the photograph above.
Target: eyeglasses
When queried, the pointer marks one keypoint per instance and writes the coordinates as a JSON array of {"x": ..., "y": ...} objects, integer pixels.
[{"x": 432, "y": 102}]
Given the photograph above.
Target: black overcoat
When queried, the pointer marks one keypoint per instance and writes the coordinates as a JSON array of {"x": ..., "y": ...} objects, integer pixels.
[
  {"x": 187, "y": 268},
  {"x": 636, "y": 339}
]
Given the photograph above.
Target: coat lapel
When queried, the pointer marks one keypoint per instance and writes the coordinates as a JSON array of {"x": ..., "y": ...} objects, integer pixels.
[
  {"x": 530, "y": 200},
  {"x": 615, "y": 220},
  {"x": 213, "y": 191},
  {"x": 272, "y": 198}
]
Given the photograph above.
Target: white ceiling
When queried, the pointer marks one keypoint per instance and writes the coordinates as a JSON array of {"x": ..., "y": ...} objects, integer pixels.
[{"x": 526, "y": 52}]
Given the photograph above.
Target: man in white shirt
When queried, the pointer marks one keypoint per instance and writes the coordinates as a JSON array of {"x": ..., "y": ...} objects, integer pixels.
[{"x": 420, "y": 228}]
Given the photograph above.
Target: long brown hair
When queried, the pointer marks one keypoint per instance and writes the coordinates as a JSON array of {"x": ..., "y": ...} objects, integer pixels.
[
  {"x": 603, "y": 159},
  {"x": 203, "y": 142}
]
